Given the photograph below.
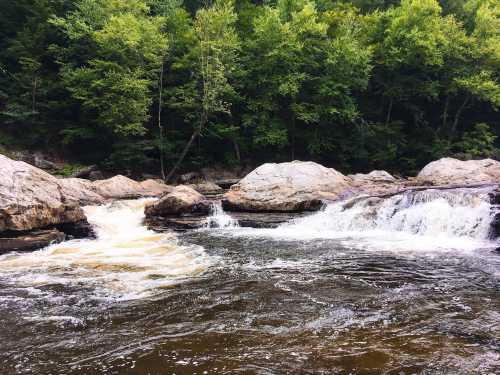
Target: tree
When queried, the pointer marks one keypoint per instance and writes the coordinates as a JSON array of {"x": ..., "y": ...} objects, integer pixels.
[
  {"x": 116, "y": 50},
  {"x": 216, "y": 53}
]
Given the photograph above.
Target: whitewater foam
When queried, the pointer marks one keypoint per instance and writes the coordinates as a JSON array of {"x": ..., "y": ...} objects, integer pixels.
[
  {"x": 421, "y": 220},
  {"x": 126, "y": 260},
  {"x": 218, "y": 218}
]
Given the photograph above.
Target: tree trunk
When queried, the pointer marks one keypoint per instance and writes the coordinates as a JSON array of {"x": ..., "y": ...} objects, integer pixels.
[
  {"x": 445, "y": 113},
  {"x": 389, "y": 112},
  {"x": 237, "y": 151},
  {"x": 195, "y": 135},
  {"x": 162, "y": 159},
  {"x": 33, "y": 94},
  {"x": 457, "y": 116}
]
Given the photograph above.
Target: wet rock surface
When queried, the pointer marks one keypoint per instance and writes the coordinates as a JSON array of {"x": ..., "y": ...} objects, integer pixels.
[{"x": 30, "y": 241}]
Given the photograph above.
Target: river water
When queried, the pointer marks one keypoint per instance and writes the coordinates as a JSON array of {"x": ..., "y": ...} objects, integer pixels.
[{"x": 405, "y": 285}]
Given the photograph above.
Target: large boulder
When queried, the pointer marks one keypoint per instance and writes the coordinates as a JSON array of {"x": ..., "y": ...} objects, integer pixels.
[
  {"x": 121, "y": 187},
  {"x": 286, "y": 187},
  {"x": 155, "y": 188},
  {"x": 183, "y": 200},
  {"x": 31, "y": 198},
  {"x": 80, "y": 191},
  {"x": 377, "y": 183},
  {"x": 373, "y": 177},
  {"x": 449, "y": 171},
  {"x": 118, "y": 187}
]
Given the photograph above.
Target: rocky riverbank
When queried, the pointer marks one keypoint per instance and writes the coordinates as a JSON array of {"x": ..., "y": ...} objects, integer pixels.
[{"x": 37, "y": 209}]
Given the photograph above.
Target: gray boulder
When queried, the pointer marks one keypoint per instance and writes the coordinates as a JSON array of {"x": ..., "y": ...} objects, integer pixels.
[
  {"x": 121, "y": 187},
  {"x": 286, "y": 187},
  {"x": 183, "y": 200},
  {"x": 449, "y": 171},
  {"x": 80, "y": 191},
  {"x": 31, "y": 198}
]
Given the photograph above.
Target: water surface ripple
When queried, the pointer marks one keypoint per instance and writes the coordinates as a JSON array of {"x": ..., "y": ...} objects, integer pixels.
[{"x": 255, "y": 302}]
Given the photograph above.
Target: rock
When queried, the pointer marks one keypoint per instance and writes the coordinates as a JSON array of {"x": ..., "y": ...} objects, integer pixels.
[
  {"x": 189, "y": 177},
  {"x": 495, "y": 212},
  {"x": 373, "y": 176},
  {"x": 118, "y": 187},
  {"x": 95, "y": 176},
  {"x": 80, "y": 229},
  {"x": 31, "y": 198},
  {"x": 30, "y": 241},
  {"x": 42, "y": 163},
  {"x": 179, "y": 224},
  {"x": 495, "y": 227},
  {"x": 449, "y": 171},
  {"x": 207, "y": 187},
  {"x": 264, "y": 220},
  {"x": 377, "y": 183},
  {"x": 183, "y": 200},
  {"x": 84, "y": 172},
  {"x": 286, "y": 187},
  {"x": 37, "y": 159},
  {"x": 155, "y": 188},
  {"x": 80, "y": 191},
  {"x": 121, "y": 187},
  {"x": 227, "y": 183}
]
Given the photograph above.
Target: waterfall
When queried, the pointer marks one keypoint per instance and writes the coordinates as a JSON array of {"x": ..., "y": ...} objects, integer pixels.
[
  {"x": 462, "y": 213},
  {"x": 219, "y": 219}
]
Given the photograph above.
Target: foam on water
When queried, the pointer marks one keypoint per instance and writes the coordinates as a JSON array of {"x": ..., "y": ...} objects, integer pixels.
[
  {"x": 220, "y": 219},
  {"x": 125, "y": 261},
  {"x": 423, "y": 220}
]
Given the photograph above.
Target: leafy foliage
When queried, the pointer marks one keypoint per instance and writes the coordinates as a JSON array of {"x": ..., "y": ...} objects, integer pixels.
[{"x": 355, "y": 84}]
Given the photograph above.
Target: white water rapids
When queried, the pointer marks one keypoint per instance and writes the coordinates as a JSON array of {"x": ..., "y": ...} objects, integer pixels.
[
  {"x": 421, "y": 220},
  {"x": 126, "y": 260}
]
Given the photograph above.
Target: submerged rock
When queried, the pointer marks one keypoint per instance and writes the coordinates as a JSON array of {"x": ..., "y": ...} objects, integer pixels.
[
  {"x": 31, "y": 198},
  {"x": 449, "y": 171},
  {"x": 30, "y": 241},
  {"x": 286, "y": 187}
]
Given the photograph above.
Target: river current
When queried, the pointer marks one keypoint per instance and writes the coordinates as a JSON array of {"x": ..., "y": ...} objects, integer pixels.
[{"x": 404, "y": 285}]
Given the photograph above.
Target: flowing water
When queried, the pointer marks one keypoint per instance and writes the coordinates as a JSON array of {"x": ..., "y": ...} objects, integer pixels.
[{"x": 405, "y": 285}]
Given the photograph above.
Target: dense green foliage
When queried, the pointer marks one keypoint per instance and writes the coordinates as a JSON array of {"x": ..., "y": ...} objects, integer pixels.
[{"x": 357, "y": 84}]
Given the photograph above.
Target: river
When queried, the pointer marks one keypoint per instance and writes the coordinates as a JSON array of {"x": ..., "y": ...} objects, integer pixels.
[{"x": 404, "y": 285}]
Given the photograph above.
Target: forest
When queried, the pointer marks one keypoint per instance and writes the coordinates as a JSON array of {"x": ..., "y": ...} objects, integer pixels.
[{"x": 170, "y": 85}]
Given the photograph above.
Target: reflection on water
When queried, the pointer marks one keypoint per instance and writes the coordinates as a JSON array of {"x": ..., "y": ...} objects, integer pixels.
[{"x": 251, "y": 302}]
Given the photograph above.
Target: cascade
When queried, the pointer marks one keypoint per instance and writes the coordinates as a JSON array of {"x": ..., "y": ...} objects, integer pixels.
[
  {"x": 432, "y": 212},
  {"x": 219, "y": 219}
]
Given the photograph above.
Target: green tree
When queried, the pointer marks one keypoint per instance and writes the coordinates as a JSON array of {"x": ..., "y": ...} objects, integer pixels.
[{"x": 215, "y": 60}]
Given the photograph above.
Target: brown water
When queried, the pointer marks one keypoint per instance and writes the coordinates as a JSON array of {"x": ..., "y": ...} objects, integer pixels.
[{"x": 248, "y": 302}]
